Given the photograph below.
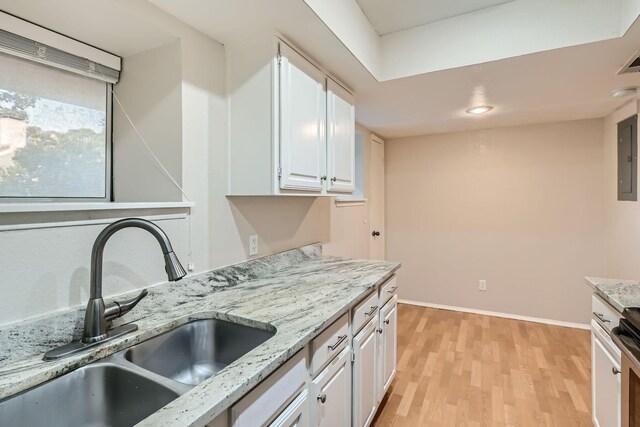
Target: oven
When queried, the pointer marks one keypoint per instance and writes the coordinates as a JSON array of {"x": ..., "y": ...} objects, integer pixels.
[{"x": 630, "y": 381}]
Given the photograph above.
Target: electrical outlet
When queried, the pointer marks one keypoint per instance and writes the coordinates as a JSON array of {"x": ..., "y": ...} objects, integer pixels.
[
  {"x": 253, "y": 245},
  {"x": 191, "y": 266},
  {"x": 482, "y": 285}
]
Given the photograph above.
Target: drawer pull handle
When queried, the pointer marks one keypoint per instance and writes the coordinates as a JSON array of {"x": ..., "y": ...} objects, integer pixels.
[
  {"x": 392, "y": 290},
  {"x": 386, "y": 322},
  {"x": 373, "y": 310},
  {"x": 341, "y": 339},
  {"x": 601, "y": 317},
  {"x": 615, "y": 371},
  {"x": 322, "y": 398}
]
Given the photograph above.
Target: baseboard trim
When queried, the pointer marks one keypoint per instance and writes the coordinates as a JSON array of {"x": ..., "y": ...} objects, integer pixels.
[{"x": 498, "y": 314}]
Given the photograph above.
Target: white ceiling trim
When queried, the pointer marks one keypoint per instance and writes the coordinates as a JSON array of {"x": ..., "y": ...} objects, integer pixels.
[
  {"x": 508, "y": 30},
  {"x": 347, "y": 21},
  {"x": 390, "y": 16}
]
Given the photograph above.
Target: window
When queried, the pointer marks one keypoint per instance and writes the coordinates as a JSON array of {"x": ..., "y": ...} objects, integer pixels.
[
  {"x": 55, "y": 113},
  {"x": 53, "y": 132}
]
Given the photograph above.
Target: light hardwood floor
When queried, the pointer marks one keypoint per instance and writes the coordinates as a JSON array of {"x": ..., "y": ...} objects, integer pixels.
[{"x": 459, "y": 369}]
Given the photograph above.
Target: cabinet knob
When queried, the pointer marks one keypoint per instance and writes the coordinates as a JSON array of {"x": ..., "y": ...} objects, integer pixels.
[
  {"x": 323, "y": 177},
  {"x": 380, "y": 330},
  {"x": 615, "y": 371},
  {"x": 322, "y": 398},
  {"x": 386, "y": 322},
  {"x": 334, "y": 179},
  {"x": 375, "y": 233}
]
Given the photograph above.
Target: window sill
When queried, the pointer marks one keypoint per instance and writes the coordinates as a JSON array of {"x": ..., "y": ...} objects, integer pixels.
[
  {"x": 350, "y": 202},
  {"x": 30, "y": 216},
  {"x": 89, "y": 206}
]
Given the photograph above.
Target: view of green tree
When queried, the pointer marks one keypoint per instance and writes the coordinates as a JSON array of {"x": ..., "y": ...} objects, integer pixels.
[
  {"x": 14, "y": 104},
  {"x": 52, "y": 162}
]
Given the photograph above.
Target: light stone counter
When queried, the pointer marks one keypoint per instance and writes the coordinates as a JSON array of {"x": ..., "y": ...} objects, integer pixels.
[
  {"x": 620, "y": 294},
  {"x": 298, "y": 292}
]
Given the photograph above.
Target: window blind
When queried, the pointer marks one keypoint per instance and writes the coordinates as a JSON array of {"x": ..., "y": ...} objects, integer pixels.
[{"x": 39, "y": 51}]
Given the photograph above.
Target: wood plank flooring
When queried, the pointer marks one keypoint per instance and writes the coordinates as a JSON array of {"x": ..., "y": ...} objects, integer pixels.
[{"x": 460, "y": 369}]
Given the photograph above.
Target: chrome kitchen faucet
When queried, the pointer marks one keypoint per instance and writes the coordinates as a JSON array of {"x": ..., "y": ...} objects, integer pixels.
[{"x": 98, "y": 315}]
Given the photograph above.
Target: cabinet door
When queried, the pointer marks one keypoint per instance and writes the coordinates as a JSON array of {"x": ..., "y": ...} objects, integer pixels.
[
  {"x": 296, "y": 414},
  {"x": 341, "y": 139},
  {"x": 365, "y": 374},
  {"x": 302, "y": 123},
  {"x": 331, "y": 390},
  {"x": 605, "y": 385},
  {"x": 388, "y": 344}
]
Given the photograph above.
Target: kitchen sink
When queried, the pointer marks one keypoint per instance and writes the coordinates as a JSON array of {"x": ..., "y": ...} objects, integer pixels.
[
  {"x": 195, "y": 351},
  {"x": 126, "y": 387},
  {"x": 101, "y": 394}
]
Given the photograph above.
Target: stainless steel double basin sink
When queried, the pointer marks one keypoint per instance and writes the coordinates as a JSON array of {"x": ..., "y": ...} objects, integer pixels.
[{"x": 125, "y": 388}]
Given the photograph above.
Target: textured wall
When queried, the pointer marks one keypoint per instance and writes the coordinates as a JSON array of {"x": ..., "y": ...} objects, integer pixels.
[{"x": 520, "y": 207}]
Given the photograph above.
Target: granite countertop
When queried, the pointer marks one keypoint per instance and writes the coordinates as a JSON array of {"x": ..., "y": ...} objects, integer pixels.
[
  {"x": 620, "y": 294},
  {"x": 298, "y": 292}
]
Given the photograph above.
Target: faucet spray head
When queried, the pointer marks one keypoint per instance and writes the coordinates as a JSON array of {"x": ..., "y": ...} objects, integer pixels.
[{"x": 172, "y": 266}]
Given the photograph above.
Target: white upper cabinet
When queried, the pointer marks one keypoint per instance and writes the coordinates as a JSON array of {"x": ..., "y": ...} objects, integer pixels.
[
  {"x": 341, "y": 139},
  {"x": 288, "y": 132},
  {"x": 302, "y": 123}
]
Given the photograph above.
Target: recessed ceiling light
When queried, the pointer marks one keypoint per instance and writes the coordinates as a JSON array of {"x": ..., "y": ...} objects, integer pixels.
[
  {"x": 624, "y": 92},
  {"x": 481, "y": 109}
]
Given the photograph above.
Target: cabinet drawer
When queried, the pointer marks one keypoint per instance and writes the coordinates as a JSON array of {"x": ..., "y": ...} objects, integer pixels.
[
  {"x": 604, "y": 314},
  {"x": 272, "y": 395},
  {"x": 603, "y": 336},
  {"x": 365, "y": 311},
  {"x": 388, "y": 290},
  {"x": 329, "y": 343}
]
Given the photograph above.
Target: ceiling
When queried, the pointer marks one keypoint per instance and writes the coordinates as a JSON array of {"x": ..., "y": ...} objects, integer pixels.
[
  {"x": 550, "y": 86},
  {"x": 554, "y": 85},
  {"x": 388, "y": 16}
]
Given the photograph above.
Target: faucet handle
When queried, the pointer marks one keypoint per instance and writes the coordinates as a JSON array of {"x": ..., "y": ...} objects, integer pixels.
[{"x": 120, "y": 308}]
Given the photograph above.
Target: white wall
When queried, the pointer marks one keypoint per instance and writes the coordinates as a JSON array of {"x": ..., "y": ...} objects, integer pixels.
[
  {"x": 520, "y": 207},
  {"x": 156, "y": 74}
]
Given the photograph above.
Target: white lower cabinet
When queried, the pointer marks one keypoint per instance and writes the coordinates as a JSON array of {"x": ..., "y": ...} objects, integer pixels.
[
  {"x": 365, "y": 374},
  {"x": 605, "y": 371},
  {"x": 272, "y": 397},
  {"x": 296, "y": 414},
  {"x": 331, "y": 390},
  {"x": 388, "y": 345},
  {"x": 337, "y": 380}
]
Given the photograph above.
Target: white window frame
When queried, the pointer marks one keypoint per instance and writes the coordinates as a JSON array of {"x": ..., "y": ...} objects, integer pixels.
[
  {"x": 108, "y": 193},
  {"x": 93, "y": 56}
]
